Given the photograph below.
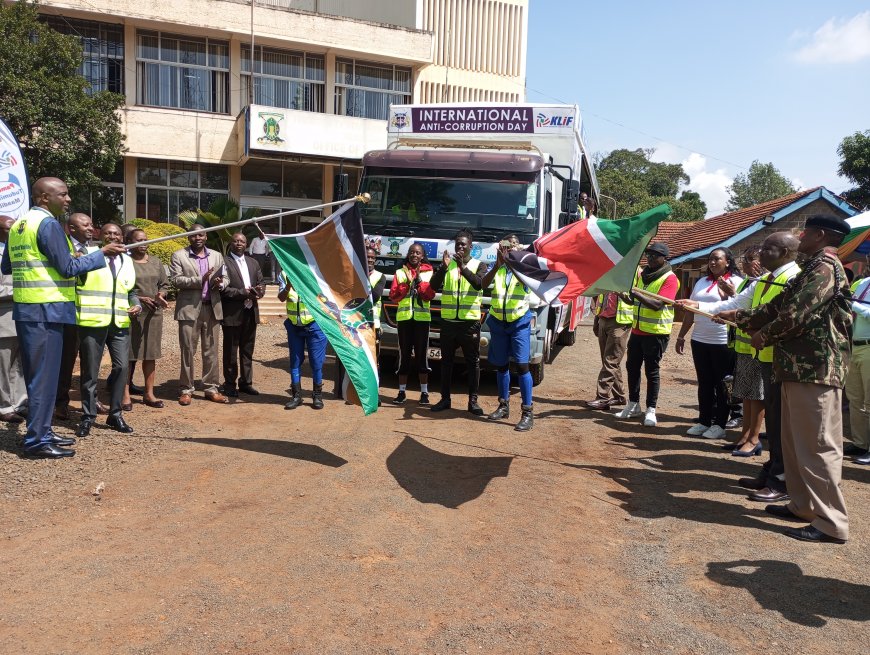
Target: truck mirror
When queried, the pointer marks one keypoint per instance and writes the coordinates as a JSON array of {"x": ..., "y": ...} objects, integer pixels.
[{"x": 570, "y": 196}]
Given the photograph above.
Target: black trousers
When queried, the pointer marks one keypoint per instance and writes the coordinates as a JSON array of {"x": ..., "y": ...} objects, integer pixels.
[
  {"x": 92, "y": 343},
  {"x": 413, "y": 337},
  {"x": 645, "y": 350},
  {"x": 67, "y": 363},
  {"x": 239, "y": 351},
  {"x": 465, "y": 335},
  {"x": 774, "y": 468},
  {"x": 713, "y": 362}
]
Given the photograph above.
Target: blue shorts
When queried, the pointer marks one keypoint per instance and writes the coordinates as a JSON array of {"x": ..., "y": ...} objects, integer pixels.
[{"x": 509, "y": 340}]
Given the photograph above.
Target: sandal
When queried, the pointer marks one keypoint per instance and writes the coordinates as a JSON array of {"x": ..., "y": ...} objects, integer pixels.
[
  {"x": 127, "y": 408},
  {"x": 154, "y": 403}
]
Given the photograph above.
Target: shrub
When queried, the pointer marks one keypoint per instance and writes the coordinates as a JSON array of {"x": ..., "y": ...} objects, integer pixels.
[{"x": 163, "y": 250}]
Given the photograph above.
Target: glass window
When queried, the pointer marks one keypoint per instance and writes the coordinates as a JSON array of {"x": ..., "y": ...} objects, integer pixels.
[
  {"x": 261, "y": 179},
  {"x": 103, "y": 50},
  {"x": 303, "y": 180},
  {"x": 182, "y": 72},
  {"x": 292, "y": 80},
  {"x": 368, "y": 89},
  {"x": 287, "y": 179},
  {"x": 166, "y": 188}
]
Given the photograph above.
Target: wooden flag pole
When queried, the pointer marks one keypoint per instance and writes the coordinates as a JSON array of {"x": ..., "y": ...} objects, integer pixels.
[{"x": 668, "y": 301}]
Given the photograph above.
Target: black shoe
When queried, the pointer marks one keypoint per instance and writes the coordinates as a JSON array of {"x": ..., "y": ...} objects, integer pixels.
[
  {"x": 503, "y": 411},
  {"x": 118, "y": 424},
  {"x": 135, "y": 389},
  {"x": 248, "y": 389},
  {"x": 295, "y": 398},
  {"x": 58, "y": 440},
  {"x": 473, "y": 407},
  {"x": 783, "y": 512},
  {"x": 809, "y": 533},
  {"x": 863, "y": 459},
  {"x": 851, "y": 450},
  {"x": 49, "y": 451},
  {"x": 84, "y": 428},
  {"x": 317, "y": 397},
  {"x": 768, "y": 495},
  {"x": 229, "y": 392},
  {"x": 424, "y": 398},
  {"x": 526, "y": 419},
  {"x": 442, "y": 404},
  {"x": 735, "y": 422},
  {"x": 401, "y": 398},
  {"x": 753, "y": 483}
]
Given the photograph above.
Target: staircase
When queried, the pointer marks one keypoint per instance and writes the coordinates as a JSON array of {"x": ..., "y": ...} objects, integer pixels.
[{"x": 270, "y": 306}]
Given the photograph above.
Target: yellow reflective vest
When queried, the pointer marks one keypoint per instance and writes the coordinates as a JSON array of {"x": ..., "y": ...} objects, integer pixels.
[
  {"x": 412, "y": 307},
  {"x": 624, "y": 311},
  {"x": 104, "y": 297},
  {"x": 742, "y": 342},
  {"x": 296, "y": 310},
  {"x": 510, "y": 300},
  {"x": 34, "y": 279},
  {"x": 458, "y": 298},
  {"x": 374, "y": 278},
  {"x": 649, "y": 320}
]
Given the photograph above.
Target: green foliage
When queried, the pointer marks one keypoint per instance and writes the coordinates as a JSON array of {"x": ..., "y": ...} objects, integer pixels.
[
  {"x": 220, "y": 212},
  {"x": 854, "y": 165},
  {"x": 163, "y": 250},
  {"x": 62, "y": 130},
  {"x": 639, "y": 184},
  {"x": 762, "y": 183}
]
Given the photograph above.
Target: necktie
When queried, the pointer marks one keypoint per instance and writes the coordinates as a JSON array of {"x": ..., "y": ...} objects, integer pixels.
[
  {"x": 112, "y": 266},
  {"x": 767, "y": 282}
]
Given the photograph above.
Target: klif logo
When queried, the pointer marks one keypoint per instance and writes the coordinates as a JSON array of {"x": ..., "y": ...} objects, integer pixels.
[
  {"x": 271, "y": 128},
  {"x": 400, "y": 120},
  {"x": 544, "y": 120},
  {"x": 476, "y": 251},
  {"x": 394, "y": 247},
  {"x": 22, "y": 225}
]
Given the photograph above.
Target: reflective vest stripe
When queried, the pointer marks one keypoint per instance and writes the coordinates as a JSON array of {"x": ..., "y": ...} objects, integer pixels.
[
  {"x": 103, "y": 297},
  {"x": 411, "y": 308},
  {"x": 458, "y": 298},
  {"x": 649, "y": 320},
  {"x": 758, "y": 298},
  {"x": 34, "y": 279},
  {"x": 45, "y": 284}
]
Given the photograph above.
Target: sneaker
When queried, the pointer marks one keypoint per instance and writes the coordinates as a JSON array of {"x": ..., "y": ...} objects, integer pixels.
[
  {"x": 424, "y": 398},
  {"x": 697, "y": 430},
  {"x": 631, "y": 410},
  {"x": 734, "y": 423},
  {"x": 649, "y": 419},
  {"x": 400, "y": 398},
  {"x": 714, "y": 432}
]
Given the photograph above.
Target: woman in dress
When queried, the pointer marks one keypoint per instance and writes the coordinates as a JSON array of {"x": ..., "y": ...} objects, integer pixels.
[{"x": 146, "y": 329}]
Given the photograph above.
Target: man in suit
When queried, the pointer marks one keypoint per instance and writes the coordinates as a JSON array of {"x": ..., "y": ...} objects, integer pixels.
[
  {"x": 197, "y": 273},
  {"x": 105, "y": 301},
  {"x": 13, "y": 394},
  {"x": 241, "y": 317}
]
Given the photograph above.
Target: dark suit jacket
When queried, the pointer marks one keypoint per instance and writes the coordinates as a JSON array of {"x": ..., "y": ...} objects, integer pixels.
[{"x": 233, "y": 294}]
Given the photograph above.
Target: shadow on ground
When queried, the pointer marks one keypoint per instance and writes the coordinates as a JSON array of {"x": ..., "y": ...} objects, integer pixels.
[
  {"x": 783, "y": 587},
  {"x": 301, "y": 451},
  {"x": 449, "y": 480}
]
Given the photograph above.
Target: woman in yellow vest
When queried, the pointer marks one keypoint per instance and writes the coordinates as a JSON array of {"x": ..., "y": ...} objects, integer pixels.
[
  {"x": 412, "y": 290},
  {"x": 302, "y": 333}
]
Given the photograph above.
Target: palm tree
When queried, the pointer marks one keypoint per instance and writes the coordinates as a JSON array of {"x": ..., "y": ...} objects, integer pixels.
[{"x": 220, "y": 212}]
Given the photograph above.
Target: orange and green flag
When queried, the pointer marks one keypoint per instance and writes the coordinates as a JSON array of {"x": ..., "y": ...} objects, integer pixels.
[{"x": 327, "y": 268}]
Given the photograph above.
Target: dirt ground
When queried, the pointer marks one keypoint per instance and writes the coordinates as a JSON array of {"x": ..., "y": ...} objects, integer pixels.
[{"x": 249, "y": 529}]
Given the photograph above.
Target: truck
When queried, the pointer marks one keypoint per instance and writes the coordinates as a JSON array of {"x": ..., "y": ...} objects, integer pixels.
[{"x": 496, "y": 169}]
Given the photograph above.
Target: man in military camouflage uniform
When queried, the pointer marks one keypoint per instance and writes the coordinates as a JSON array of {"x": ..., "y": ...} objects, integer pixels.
[{"x": 809, "y": 325}]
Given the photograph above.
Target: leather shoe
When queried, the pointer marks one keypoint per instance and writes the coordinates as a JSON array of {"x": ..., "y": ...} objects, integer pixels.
[
  {"x": 231, "y": 392},
  {"x": 851, "y": 450},
  {"x": 118, "y": 424},
  {"x": 184, "y": 399},
  {"x": 217, "y": 398},
  {"x": 61, "y": 412},
  {"x": 441, "y": 405},
  {"x": 753, "y": 483},
  {"x": 809, "y": 533},
  {"x": 101, "y": 408},
  {"x": 248, "y": 389},
  {"x": 58, "y": 440},
  {"x": 783, "y": 512},
  {"x": 863, "y": 459},
  {"x": 11, "y": 417},
  {"x": 598, "y": 403},
  {"x": 768, "y": 495},
  {"x": 136, "y": 390},
  {"x": 49, "y": 451},
  {"x": 84, "y": 428}
]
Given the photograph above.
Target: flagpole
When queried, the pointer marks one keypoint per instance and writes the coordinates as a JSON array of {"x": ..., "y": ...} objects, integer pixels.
[
  {"x": 363, "y": 197},
  {"x": 668, "y": 301}
]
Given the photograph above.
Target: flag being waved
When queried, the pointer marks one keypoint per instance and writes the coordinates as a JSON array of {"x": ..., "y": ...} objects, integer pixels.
[
  {"x": 327, "y": 268},
  {"x": 587, "y": 257}
]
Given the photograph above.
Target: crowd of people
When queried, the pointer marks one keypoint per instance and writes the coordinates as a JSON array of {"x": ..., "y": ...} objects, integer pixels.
[{"x": 771, "y": 340}]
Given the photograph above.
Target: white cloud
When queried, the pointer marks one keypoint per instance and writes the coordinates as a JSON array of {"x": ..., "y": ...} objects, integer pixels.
[
  {"x": 838, "y": 41},
  {"x": 711, "y": 185}
]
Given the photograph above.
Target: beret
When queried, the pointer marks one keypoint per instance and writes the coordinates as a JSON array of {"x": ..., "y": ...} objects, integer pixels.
[{"x": 829, "y": 224}]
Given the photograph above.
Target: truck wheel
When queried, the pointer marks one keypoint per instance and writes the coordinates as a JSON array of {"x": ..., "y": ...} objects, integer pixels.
[
  {"x": 537, "y": 371},
  {"x": 567, "y": 337}
]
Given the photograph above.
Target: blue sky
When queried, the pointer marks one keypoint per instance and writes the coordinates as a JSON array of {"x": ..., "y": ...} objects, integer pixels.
[{"x": 711, "y": 85}]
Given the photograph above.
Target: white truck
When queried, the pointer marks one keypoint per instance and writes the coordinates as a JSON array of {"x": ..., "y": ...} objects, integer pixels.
[{"x": 495, "y": 169}]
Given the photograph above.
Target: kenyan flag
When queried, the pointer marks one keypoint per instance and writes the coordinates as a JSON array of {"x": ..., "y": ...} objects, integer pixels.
[
  {"x": 587, "y": 257},
  {"x": 327, "y": 267},
  {"x": 859, "y": 235}
]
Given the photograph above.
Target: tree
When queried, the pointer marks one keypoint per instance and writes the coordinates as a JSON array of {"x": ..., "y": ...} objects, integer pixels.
[
  {"x": 854, "y": 154},
  {"x": 63, "y": 131},
  {"x": 763, "y": 182},
  {"x": 638, "y": 184},
  {"x": 220, "y": 212}
]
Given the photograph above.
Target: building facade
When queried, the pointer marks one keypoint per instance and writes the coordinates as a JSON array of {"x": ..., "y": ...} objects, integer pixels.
[{"x": 266, "y": 102}]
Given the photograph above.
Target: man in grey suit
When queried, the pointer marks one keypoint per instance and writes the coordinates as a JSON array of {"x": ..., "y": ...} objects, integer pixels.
[
  {"x": 197, "y": 273},
  {"x": 13, "y": 393}
]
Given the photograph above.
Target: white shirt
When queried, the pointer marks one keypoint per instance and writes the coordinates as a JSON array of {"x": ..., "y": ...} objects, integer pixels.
[
  {"x": 258, "y": 246},
  {"x": 861, "y": 328},
  {"x": 743, "y": 300},
  {"x": 706, "y": 331}
]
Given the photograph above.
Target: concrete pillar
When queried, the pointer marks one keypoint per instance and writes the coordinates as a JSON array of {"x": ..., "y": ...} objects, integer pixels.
[
  {"x": 130, "y": 63},
  {"x": 236, "y": 103},
  {"x": 329, "y": 86},
  {"x": 130, "y": 189}
]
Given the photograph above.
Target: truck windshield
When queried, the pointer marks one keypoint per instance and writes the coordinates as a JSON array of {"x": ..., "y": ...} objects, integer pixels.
[{"x": 408, "y": 203}]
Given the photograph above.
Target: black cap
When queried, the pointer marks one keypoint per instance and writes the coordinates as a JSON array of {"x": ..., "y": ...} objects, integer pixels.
[
  {"x": 659, "y": 249},
  {"x": 829, "y": 224}
]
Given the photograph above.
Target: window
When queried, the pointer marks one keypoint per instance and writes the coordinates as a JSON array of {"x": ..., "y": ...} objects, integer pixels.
[
  {"x": 103, "y": 45},
  {"x": 166, "y": 188},
  {"x": 182, "y": 72},
  {"x": 367, "y": 90},
  {"x": 292, "y": 80},
  {"x": 105, "y": 204},
  {"x": 287, "y": 180}
]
